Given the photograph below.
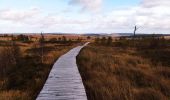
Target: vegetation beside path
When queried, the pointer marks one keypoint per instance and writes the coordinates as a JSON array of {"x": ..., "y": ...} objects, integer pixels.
[
  {"x": 25, "y": 65},
  {"x": 126, "y": 69}
]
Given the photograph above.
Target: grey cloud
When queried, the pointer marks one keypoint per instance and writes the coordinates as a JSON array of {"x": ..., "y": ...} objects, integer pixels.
[
  {"x": 154, "y": 3},
  {"x": 92, "y": 5}
]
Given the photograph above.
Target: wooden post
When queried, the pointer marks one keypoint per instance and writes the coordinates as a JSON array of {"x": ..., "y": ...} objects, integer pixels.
[
  {"x": 135, "y": 31},
  {"x": 42, "y": 48}
]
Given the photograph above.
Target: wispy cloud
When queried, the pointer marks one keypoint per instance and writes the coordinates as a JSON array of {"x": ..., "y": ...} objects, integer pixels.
[
  {"x": 155, "y": 3},
  {"x": 91, "y": 5}
]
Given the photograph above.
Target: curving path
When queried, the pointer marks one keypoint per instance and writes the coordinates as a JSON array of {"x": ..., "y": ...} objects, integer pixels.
[{"x": 64, "y": 81}]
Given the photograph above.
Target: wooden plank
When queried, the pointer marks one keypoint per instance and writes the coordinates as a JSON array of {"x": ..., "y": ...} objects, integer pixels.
[{"x": 64, "y": 81}]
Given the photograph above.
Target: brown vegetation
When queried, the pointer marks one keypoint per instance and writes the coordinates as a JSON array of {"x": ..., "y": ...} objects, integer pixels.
[
  {"x": 23, "y": 73},
  {"x": 137, "y": 69}
]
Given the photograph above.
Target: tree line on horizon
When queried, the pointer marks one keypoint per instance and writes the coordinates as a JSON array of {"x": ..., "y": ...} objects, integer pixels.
[
  {"x": 27, "y": 38},
  {"x": 104, "y": 40}
]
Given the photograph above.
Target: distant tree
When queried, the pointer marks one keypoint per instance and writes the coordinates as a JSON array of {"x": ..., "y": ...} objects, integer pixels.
[
  {"x": 22, "y": 37},
  {"x": 42, "y": 40},
  {"x": 122, "y": 38},
  {"x": 5, "y": 35},
  {"x": 103, "y": 40},
  {"x": 109, "y": 40},
  {"x": 97, "y": 40},
  {"x": 88, "y": 37},
  {"x": 53, "y": 40},
  {"x": 79, "y": 39},
  {"x": 59, "y": 39},
  {"x": 70, "y": 41},
  {"x": 64, "y": 39},
  {"x": 12, "y": 38}
]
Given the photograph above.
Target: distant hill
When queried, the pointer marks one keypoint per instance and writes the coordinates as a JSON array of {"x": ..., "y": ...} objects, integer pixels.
[
  {"x": 123, "y": 34},
  {"x": 106, "y": 34},
  {"x": 93, "y": 34}
]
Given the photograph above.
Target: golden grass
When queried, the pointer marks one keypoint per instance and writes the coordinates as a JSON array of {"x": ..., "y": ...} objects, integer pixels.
[
  {"x": 26, "y": 81},
  {"x": 113, "y": 73},
  {"x": 14, "y": 95}
]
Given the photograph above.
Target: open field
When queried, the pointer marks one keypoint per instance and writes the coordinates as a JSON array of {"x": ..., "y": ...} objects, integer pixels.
[
  {"x": 126, "y": 70},
  {"x": 112, "y": 68},
  {"x": 23, "y": 73}
]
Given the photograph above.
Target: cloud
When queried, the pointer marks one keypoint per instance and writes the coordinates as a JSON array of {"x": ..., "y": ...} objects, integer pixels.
[
  {"x": 154, "y": 14},
  {"x": 18, "y": 15},
  {"x": 154, "y": 3},
  {"x": 92, "y": 5},
  {"x": 150, "y": 15}
]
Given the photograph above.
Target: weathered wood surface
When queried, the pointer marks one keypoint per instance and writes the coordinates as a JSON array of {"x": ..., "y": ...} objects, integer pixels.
[{"x": 64, "y": 81}]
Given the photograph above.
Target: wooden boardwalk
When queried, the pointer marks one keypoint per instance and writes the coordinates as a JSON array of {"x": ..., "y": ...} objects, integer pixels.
[{"x": 64, "y": 81}]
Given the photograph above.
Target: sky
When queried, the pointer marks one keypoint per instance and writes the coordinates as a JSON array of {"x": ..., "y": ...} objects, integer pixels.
[{"x": 85, "y": 16}]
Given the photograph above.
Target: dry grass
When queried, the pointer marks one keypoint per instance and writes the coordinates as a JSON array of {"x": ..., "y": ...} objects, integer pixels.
[
  {"x": 13, "y": 95},
  {"x": 23, "y": 82},
  {"x": 115, "y": 73}
]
